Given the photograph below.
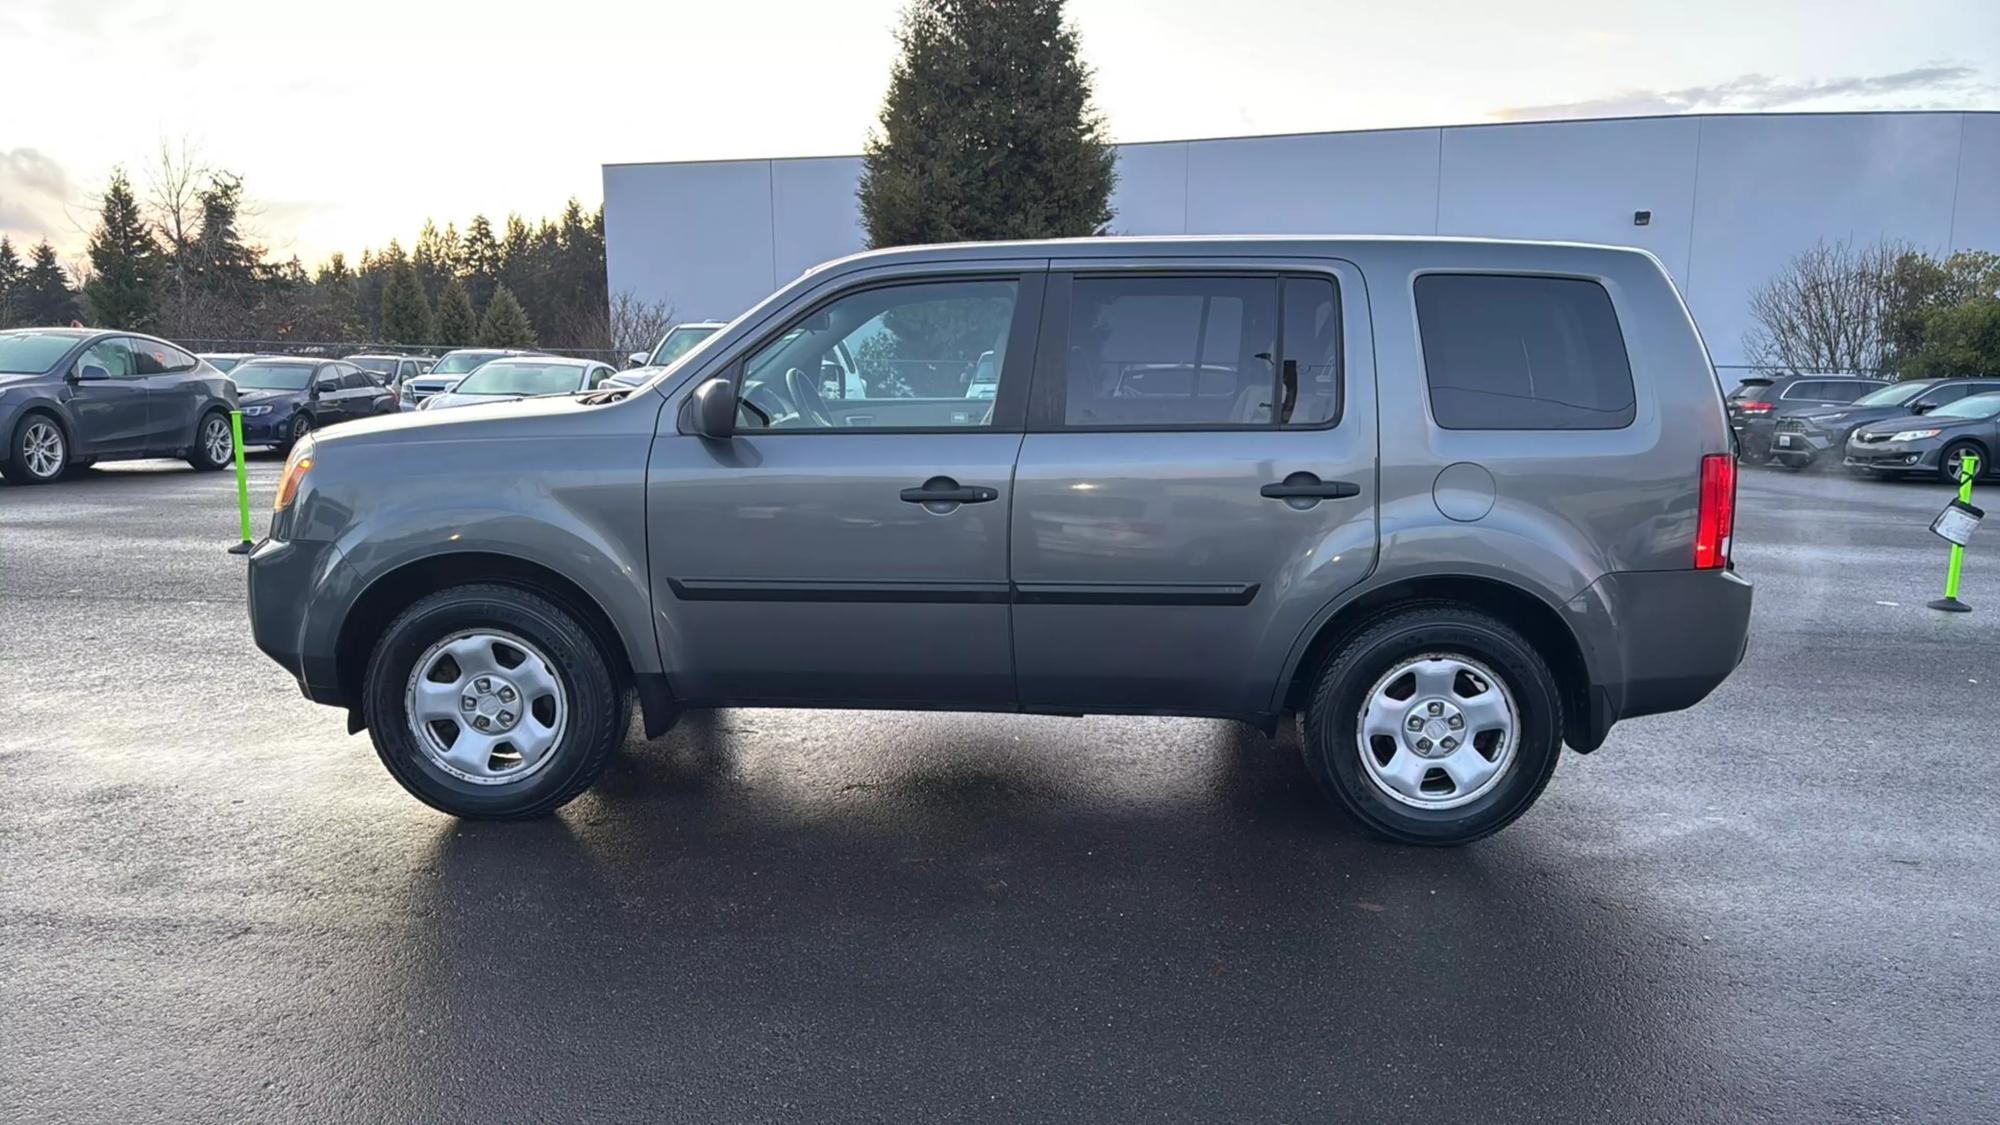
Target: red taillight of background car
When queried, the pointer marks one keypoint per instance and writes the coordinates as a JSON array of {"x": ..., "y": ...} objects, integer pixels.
[
  {"x": 1755, "y": 407},
  {"x": 1716, "y": 522}
]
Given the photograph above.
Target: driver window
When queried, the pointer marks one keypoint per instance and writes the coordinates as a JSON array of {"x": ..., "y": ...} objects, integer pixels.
[
  {"x": 920, "y": 355},
  {"x": 114, "y": 356}
]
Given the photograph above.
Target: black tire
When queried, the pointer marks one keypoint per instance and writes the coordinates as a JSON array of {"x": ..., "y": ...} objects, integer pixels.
[
  {"x": 599, "y": 709},
  {"x": 302, "y": 424},
  {"x": 1333, "y": 753},
  {"x": 14, "y": 463},
  {"x": 1948, "y": 470},
  {"x": 198, "y": 455}
]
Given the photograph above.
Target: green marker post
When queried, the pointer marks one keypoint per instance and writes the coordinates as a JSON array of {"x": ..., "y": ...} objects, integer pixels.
[
  {"x": 242, "y": 483},
  {"x": 1967, "y": 473}
]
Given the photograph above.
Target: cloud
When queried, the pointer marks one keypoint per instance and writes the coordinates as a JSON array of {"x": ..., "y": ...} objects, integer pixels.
[
  {"x": 1753, "y": 92},
  {"x": 39, "y": 197}
]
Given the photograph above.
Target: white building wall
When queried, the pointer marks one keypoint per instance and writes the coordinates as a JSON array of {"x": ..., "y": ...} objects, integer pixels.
[{"x": 1732, "y": 197}]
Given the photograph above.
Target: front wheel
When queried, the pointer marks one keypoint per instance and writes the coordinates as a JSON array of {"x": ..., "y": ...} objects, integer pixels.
[
  {"x": 490, "y": 702},
  {"x": 214, "y": 445},
  {"x": 1951, "y": 466},
  {"x": 1436, "y": 725},
  {"x": 301, "y": 425},
  {"x": 38, "y": 453}
]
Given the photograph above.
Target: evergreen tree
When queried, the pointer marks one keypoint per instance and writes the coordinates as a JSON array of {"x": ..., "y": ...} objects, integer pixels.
[
  {"x": 334, "y": 289},
  {"x": 457, "y": 324},
  {"x": 506, "y": 323},
  {"x": 46, "y": 297},
  {"x": 434, "y": 258},
  {"x": 125, "y": 262},
  {"x": 988, "y": 130},
  {"x": 480, "y": 260},
  {"x": 10, "y": 283},
  {"x": 406, "y": 315},
  {"x": 224, "y": 265}
]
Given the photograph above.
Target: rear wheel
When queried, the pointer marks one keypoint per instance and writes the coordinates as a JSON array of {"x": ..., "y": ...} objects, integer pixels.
[
  {"x": 38, "y": 452},
  {"x": 490, "y": 702},
  {"x": 214, "y": 444},
  {"x": 1435, "y": 725}
]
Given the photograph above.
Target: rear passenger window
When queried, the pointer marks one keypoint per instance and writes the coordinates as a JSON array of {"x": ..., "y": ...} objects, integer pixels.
[
  {"x": 1203, "y": 352},
  {"x": 1523, "y": 353}
]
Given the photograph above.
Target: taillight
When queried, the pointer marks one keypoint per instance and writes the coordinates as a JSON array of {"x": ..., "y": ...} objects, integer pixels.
[
  {"x": 296, "y": 467},
  {"x": 1716, "y": 522},
  {"x": 1755, "y": 407}
]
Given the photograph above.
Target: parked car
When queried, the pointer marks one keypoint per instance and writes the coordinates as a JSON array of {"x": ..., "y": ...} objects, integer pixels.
[
  {"x": 223, "y": 361},
  {"x": 1813, "y": 437},
  {"x": 1446, "y": 516},
  {"x": 1756, "y": 405},
  {"x": 1936, "y": 441},
  {"x": 70, "y": 397},
  {"x": 450, "y": 368},
  {"x": 678, "y": 341},
  {"x": 504, "y": 380},
  {"x": 286, "y": 398},
  {"x": 394, "y": 369}
]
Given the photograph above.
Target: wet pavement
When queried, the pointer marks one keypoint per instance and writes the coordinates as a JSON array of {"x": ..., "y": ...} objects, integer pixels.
[{"x": 214, "y": 904}]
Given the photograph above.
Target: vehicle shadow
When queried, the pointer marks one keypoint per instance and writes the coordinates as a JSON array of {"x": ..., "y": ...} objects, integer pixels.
[{"x": 1158, "y": 919}]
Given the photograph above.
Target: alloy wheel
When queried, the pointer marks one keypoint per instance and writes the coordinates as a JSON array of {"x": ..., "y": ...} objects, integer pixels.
[
  {"x": 42, "y": 449},
  {"x": 215, "y": 440}
]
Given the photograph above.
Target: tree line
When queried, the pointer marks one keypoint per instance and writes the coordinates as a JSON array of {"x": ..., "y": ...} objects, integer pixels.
[
  {"x": 1883, "y": 307},
  {"x": 175, "y": 261}
]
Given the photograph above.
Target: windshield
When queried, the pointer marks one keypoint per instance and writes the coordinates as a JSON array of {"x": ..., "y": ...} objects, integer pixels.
[
  {"x": 1976, "y": 406},
  {"x": 28, "y": 353},
  {"x": 256, "y": 376},
  {"x": 517, "y": 378},
  {"x": 680, "y": 342},
  {"x": 1750, "y": 389},
  {"x": 223, "y": 363},
  {"x": 1895, "y": 394},
  {"x": 458, "y": 363},
  {"x": 385, "y": 365}
]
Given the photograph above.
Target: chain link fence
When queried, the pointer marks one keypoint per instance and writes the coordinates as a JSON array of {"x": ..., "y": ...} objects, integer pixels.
[{"x": 333, "y": 349}]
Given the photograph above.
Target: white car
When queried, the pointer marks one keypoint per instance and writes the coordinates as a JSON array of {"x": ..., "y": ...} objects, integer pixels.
[
  {"x": 679, "y": 341},
  {"x": 503, "y": 380}
]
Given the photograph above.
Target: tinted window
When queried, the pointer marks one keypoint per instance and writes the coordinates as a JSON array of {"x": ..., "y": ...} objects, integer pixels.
[
  {"x": 1172, "y": 351},
  {"x": 156, "y": 358},
  {"x": 1309, "y": 380},
  {"x": 1523, "y": 353},
  {"x": 114, "y": 356},
  {"x": 1951, "y": 393},
  {"x": 930, "y": 346},
  {"x": 357, "y": 380}
]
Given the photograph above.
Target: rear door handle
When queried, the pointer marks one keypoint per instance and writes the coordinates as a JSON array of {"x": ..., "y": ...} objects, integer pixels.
[
  {"x": 944, "y": 490},
  {"x": 1305, "y": 486}
]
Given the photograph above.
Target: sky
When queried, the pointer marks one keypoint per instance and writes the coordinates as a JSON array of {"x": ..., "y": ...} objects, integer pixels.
[{"x": 352, "y": 122}]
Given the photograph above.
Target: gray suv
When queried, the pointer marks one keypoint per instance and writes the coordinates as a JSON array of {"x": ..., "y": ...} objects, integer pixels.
[{"x": 1455, "y": 503}]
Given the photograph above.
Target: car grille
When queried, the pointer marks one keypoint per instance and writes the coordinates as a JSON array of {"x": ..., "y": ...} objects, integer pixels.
[
  {"x": 1871, "y": 439},
  {"x": 1791, "y": 426}
]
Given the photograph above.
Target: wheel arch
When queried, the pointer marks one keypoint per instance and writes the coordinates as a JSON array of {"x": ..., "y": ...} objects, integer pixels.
[{"x": 1539, "y": 621}]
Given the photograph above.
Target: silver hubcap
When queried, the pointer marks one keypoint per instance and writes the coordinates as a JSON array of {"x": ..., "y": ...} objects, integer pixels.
[
  {"x": 1438, "y": 731},
  {"x": 215, "y": 439},
  {"x": 486, "y": 707},
  {"x": 42, "y": 449}
]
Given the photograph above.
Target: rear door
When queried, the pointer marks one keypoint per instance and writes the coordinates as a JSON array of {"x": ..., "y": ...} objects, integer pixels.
[
  {"x": 1198, "y": 481},
  {"x": 851, "y": 551},
  {"x": 110, "y": 412}
]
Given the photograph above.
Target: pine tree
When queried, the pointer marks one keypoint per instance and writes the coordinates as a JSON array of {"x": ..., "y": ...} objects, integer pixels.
[
  {"x": 334, "y": 291},
  {"x": 506, "y": 323},
  {"x": 434, "y": 258},
  {"x": 406, "y": 315},
  {"x": 481, "y": 260},
  {"x": 10, "y": 283},
  {"x": 124, "y": 262},
  {"x": 988, "y": 130},
  {"x": 224, "y": 265},
  {"x": 46, "y": 298},
  {"x": 457, "y": 324}
]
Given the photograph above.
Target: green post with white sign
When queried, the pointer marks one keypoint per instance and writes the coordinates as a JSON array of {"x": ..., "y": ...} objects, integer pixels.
[{"x": 1956, "y": 524}]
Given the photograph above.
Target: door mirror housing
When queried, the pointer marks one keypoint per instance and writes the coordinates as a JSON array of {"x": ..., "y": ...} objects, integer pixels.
[
  {"x": 89, "y": 373},
  {"x": 637, "y": 359},
  {"x": 324, "y": 386},
  {"x": 715, "y": 409},
  {"x": 1923, "y": 407}
]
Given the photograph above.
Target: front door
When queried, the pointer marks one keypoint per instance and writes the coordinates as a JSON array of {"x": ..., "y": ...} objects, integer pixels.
[
  {"x": 851, "y": 548},
  {"x": 110, "y": 412},
  {"x": 175, "y": 393},
  {"x": 1198, "y": 481}
]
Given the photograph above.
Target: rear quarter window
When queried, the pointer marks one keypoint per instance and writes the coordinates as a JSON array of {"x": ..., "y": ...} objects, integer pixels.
[{"x": 1506, "y": 352}]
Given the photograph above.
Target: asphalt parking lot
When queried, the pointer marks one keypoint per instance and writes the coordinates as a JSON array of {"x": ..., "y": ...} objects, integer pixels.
[{"x": 214, "y": 904}]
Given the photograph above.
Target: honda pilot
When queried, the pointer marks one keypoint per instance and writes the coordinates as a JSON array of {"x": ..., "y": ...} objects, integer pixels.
[{"x": 1452, "y": 504}]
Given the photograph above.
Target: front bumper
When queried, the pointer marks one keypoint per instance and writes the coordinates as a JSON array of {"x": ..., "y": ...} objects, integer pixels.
[
  {"x": 267, "y": 429},
  {"x": 1889, "y": 456},
  {"x": 285, "y": 577},
  {"x": 1656, "y": 641}
]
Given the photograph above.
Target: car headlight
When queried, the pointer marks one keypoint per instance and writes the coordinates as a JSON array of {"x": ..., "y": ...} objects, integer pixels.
[
  {"x": 255, "y": 411},
  {"x": 1913, "y": 435}
]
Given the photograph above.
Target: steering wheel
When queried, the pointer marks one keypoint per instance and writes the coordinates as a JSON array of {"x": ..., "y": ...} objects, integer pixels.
[{"x": 805, "y": 398}]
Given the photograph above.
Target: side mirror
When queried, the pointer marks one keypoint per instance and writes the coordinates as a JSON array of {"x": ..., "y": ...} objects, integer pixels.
[
  {"x": 637, "y": 359},
  {"x": 1923, "y": 408},
  {"x": 91, "y": 373},
  {"x": 715, "y": 409},
  {"x": 324, "y": 386}
]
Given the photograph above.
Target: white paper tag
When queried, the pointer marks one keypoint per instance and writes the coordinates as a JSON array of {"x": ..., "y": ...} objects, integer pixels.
[{"x": 1957, "y": 522}]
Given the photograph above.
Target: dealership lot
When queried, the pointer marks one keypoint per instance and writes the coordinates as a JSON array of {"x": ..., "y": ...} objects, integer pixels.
[{"x": 1782, "y": 905}]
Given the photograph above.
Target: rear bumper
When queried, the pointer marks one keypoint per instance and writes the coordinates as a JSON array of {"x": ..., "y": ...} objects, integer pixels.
[
  {"x": 1657, "y": 641},
  {"x": 284, "y": 577}
]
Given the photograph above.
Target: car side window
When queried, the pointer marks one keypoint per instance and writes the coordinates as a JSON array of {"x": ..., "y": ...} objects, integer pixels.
[
  {"x": 595, "y": 377},
  {"x": 113, "y": 355},
  {"x": 1516, "y": 352},
  {"x": 152, "y": 357},
  {"x": 1945, "y": 395},
  {"x": 327, "y": 378},
  {"x": 359, "y": 379},
  {"x": 925, "y": 346}
]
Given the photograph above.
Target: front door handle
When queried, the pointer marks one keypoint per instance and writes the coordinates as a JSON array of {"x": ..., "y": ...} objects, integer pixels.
[
  {"x": 945, "y": 491},
  {"x": 1306, "y": 486}
]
